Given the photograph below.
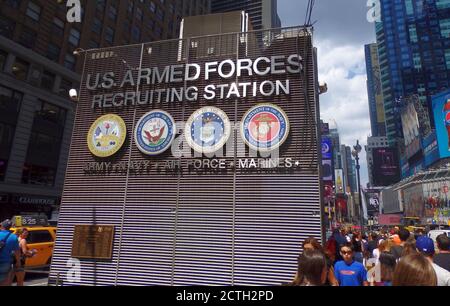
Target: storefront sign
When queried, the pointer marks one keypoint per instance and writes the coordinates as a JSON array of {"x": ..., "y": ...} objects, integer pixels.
[{"x": 35, "y": 200}]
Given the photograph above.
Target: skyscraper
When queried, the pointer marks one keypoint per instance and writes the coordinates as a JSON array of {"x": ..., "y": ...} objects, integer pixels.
[
  {"x": 414, "y": 52},
  {"x": 374, "y": 91},
  {"x": 263, "y": 13}
]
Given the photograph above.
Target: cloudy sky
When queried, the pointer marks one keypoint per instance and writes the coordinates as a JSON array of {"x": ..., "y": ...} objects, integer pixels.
[{"x": 341, "y": 31}]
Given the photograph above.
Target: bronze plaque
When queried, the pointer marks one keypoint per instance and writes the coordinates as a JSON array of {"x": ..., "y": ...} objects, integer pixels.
[{"x": 93, "y": 241}]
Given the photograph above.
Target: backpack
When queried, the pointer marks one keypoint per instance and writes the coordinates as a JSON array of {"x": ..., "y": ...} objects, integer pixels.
[{"x": 3, "y": 242}]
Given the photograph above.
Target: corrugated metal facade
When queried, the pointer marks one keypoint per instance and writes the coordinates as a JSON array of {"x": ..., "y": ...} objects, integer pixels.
[{"x": 221, "y": 228}]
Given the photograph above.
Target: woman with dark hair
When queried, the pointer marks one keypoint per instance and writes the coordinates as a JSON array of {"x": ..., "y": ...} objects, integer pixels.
[
  {"x": 357, "y": 242},
  {"x": 313, "y": 244},
  {"x": 414, "y": 270},
  {"x": 409, "y": 247},
  {"x": 312, "y": 268},
  {"x": 387, "y": 268}
]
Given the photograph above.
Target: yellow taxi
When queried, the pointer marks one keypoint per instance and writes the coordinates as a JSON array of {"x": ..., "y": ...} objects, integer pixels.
[{"x": 40, "y": 238}]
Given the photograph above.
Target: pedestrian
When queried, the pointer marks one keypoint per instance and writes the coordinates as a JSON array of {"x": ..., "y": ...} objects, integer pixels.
[
  {"x": 384, "y": 246},
  {"x": 442, "y": 259},
  {"x": 313, "y": 244},
  {"x": 387, "y": 264},
  {"x": 340, "y": 239},
  {"x": 372, "y": 244},
  {"x": 425, "y": 246},
  {"x": 397, "y": 249},
  {"x": 312, "y": 268},
  {"x": 349, "y": 272},
  {"x": 9, "y": 247},
  {"x": 358, "y": 247},
  {"x": 24, "y": 254},
  {"x": 414, "y": 270},
  {"x": 409, "y": 247}
]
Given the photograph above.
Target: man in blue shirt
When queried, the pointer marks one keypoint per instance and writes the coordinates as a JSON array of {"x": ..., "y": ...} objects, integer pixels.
[
  {"x": 349, "y": 272},
  {"x": 10, "y": 248}
]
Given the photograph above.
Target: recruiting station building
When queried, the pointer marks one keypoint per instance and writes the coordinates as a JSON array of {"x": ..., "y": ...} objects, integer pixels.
[{"x": 182, "y": 217}]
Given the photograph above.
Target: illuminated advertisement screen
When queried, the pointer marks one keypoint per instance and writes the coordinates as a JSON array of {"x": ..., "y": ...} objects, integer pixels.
[
  {"x": 385, "y": 167},
  {"x": 441, "y": 110}
]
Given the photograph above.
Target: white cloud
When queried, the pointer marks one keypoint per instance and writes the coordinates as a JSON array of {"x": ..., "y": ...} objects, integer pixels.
[{"x": 346, "y": 101}]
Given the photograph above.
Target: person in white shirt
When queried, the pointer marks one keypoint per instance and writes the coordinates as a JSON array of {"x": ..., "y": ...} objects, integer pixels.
[{"x": 426, "y": 247}]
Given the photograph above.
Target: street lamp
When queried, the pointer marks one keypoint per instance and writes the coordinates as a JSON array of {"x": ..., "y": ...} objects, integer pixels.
[{"x": 356, "y": 150}]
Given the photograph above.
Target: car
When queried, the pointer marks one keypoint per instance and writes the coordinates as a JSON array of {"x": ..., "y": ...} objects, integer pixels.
[
  {"x": 434, "y": 233},
  {"x": 41, "y": 238}
]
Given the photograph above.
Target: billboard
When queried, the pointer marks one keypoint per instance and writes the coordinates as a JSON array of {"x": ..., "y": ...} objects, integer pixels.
[
  {"x": 327, "y": 170},
  {"x": 441, "y": 111},
  {"x": 372, "y": 201},
  {"x": 385, "y": 167},
  {"x": 339, "y": 180},
  {"x": 327, "y": 149},
  {"x": 410, "y": 124}
]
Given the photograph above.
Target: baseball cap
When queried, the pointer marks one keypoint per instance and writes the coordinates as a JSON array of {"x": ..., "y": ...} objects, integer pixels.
[
  {"x": 6, "y": 224},
  {"x": 425, "y": 245}
]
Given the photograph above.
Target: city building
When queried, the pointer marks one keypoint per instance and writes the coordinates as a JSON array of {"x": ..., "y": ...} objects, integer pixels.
[
  {"x": 375, "y": 91},
  {"x": 263, "y": 13},
  {"x": 414, "y": 53},
  {"x": 348, "y": 165},
  {"x": 39, "y": 63}
]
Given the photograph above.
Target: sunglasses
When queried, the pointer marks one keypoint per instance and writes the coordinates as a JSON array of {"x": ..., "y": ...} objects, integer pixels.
[{"x": 346, "y": 252}]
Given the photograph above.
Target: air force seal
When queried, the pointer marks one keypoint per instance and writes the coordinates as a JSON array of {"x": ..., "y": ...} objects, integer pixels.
[
  {"x": 154, "y": 132},
  {"x": 265, "y": 127},
  {"x": 106, "y": 135},
  {"x": 207, "y": 130}
]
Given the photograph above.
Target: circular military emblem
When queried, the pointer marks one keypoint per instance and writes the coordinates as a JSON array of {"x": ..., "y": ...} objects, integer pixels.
[
  {"x": 106, "y": 135},
  {"x": 325, "y": 148},
  {"x": 154, "y": 132},
  {"x": 265, "y": 127},
  {"x": 207, "y": 130}
]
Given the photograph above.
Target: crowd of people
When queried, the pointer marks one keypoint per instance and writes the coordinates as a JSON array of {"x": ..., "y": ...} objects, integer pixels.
[{"x": 395, "y": 258}]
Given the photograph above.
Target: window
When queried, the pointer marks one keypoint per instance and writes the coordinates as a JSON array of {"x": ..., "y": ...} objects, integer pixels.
[
  {"x": 65, "y": 87},
  {"x": 112, "y": 13},
  {"x": 47, "y": 80},
  {"x": 109, "y": 35},
  {"x": 445, "y": 27},
  {"x": 53, "y": 52},
  {"x": 33, "y": 11},
  {"x": 97, "y": 26},
  {"x": 139, "y": 15},
  {"x": 152, "y": 6},
  {"x": 13, "y": 3},
  {"x": 44, "y": 146},
  {"x": 93, "y": 44},
  {"x": 39, "y": 237},
  {"x": 136, "y": 33},
  {"x": 20, "y": 69},
  {"x": 69, "y": 61},
  {"x": 58, "y": 27},
  {"x": 3, "y": 56},
  {"x": 10, "y": 102},
  {"x": 74, "y": 37},
  {"x": 7, "y": 27},
  {"x": 27, "y": 38}
]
